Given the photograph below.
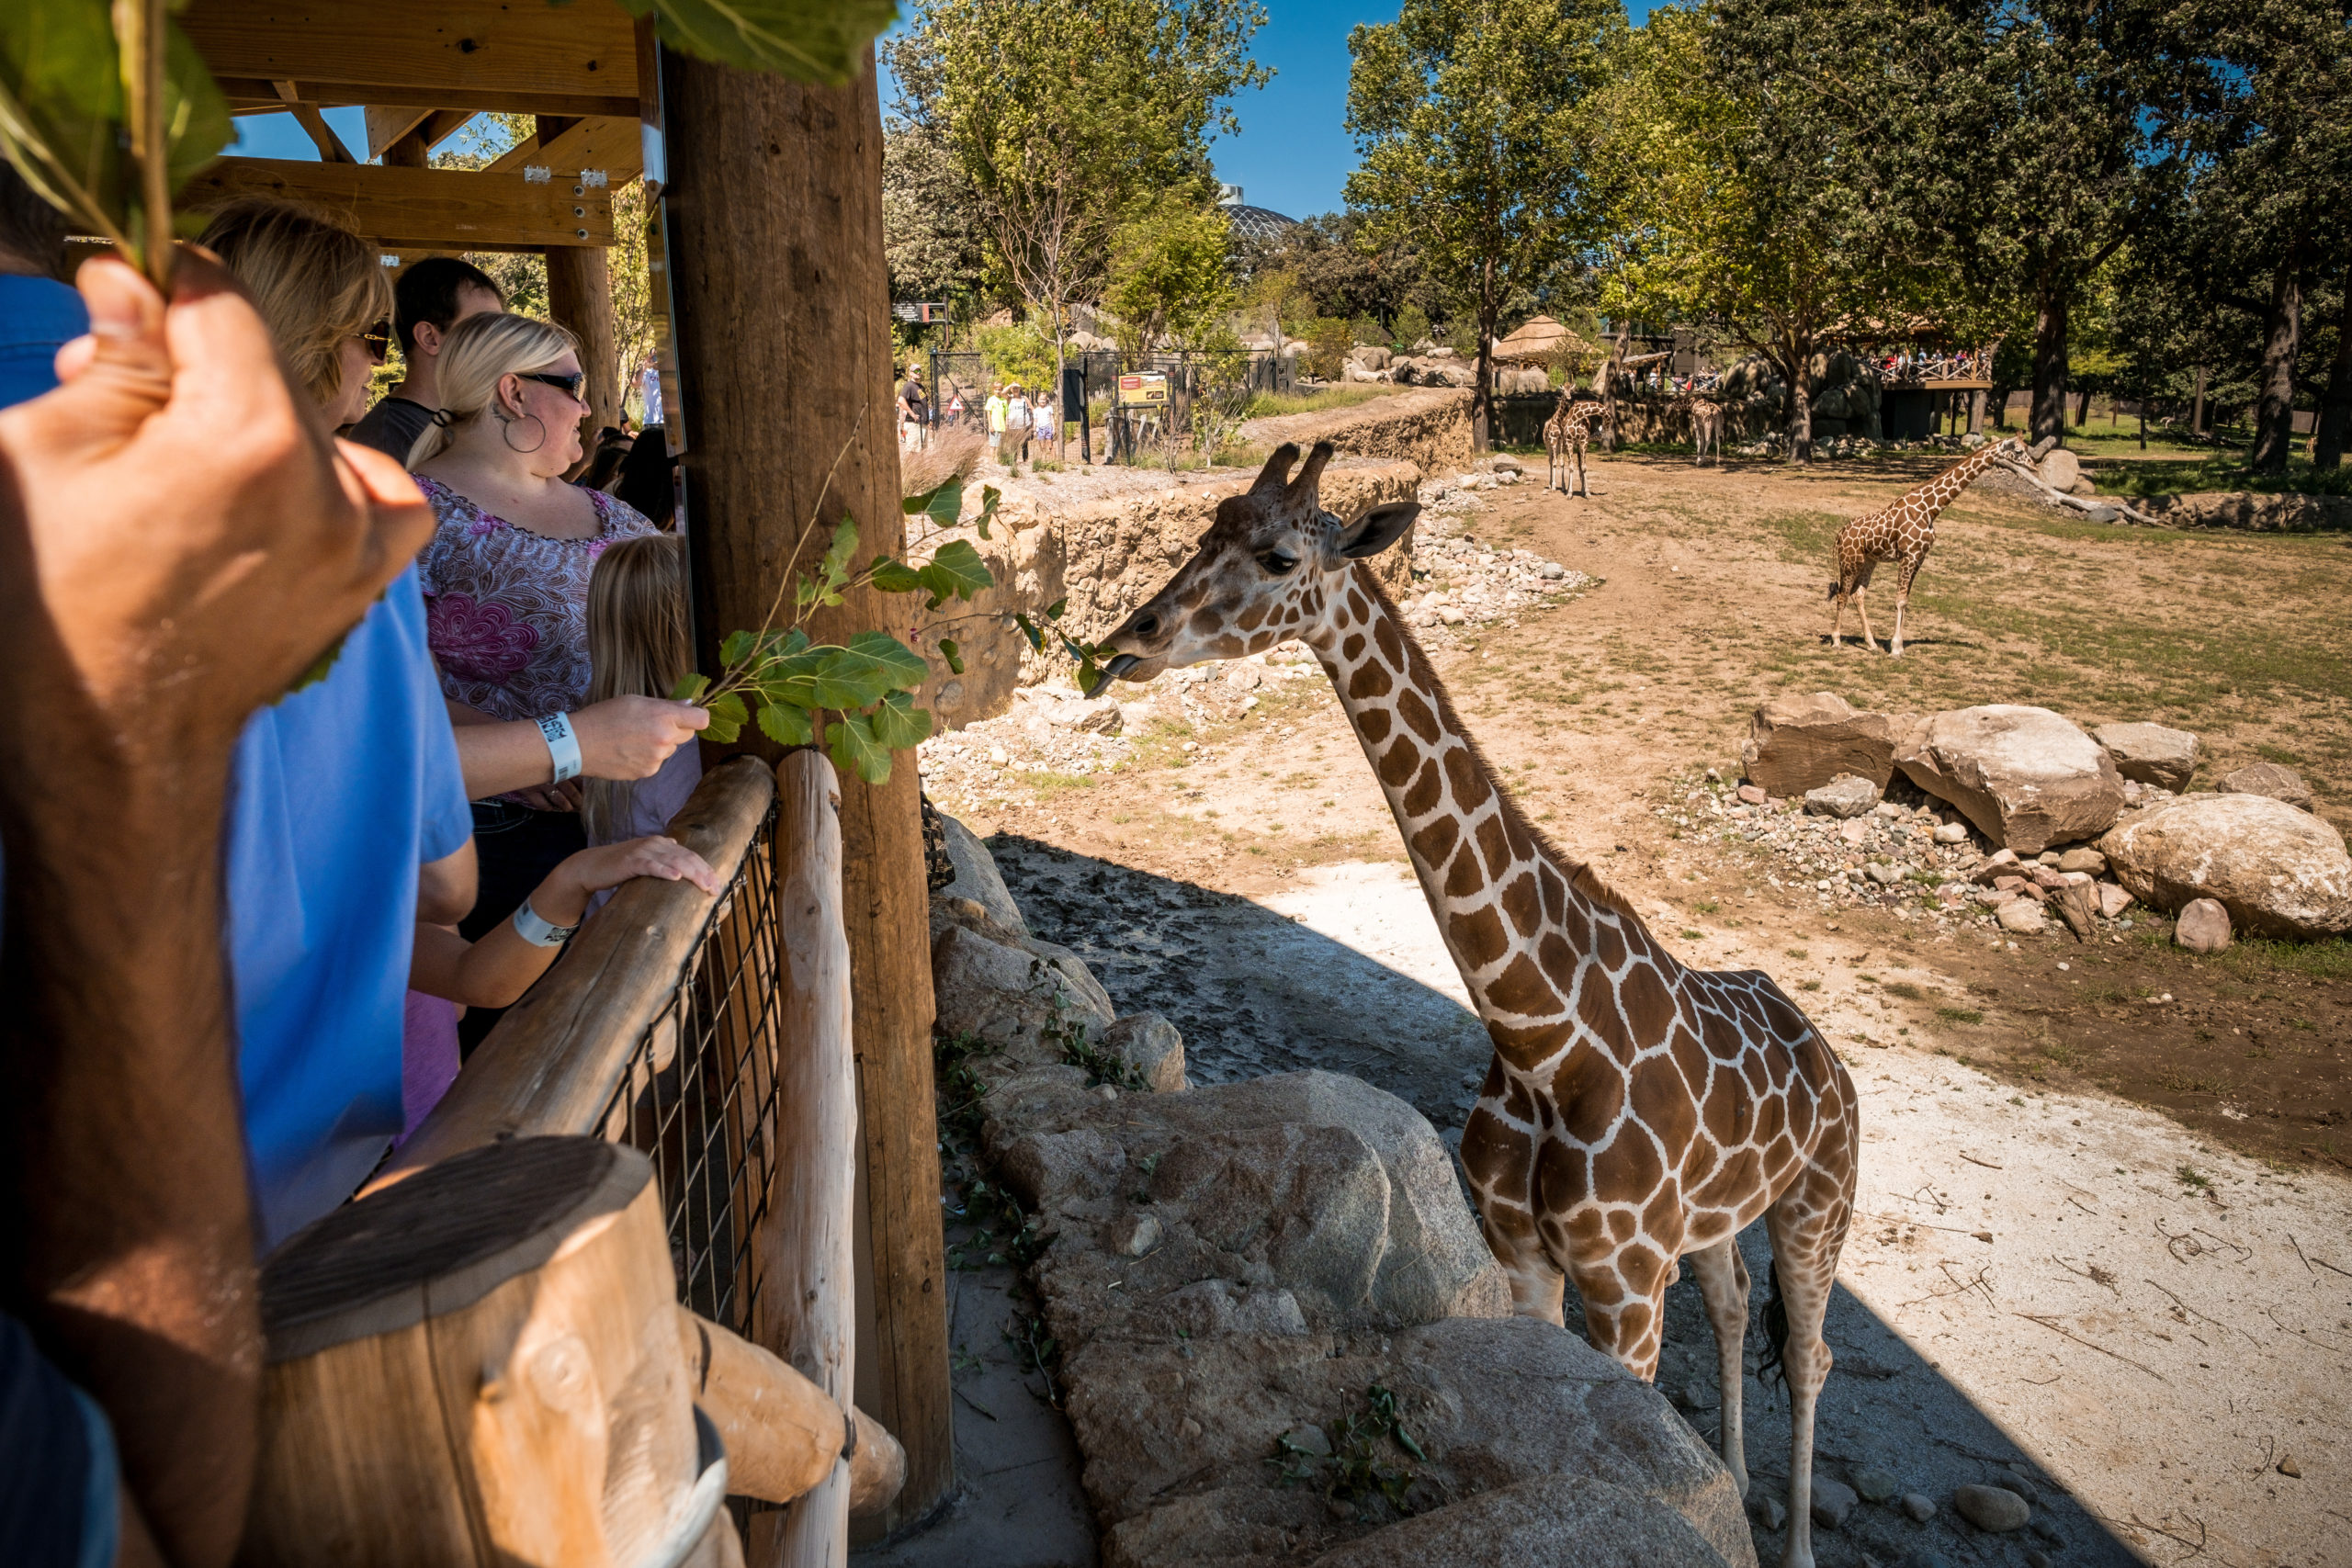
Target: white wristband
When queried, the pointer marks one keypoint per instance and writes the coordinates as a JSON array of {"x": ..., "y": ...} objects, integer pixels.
[
  {"x": 538, "y": 932},
  {"x": 562, "y": 745}
]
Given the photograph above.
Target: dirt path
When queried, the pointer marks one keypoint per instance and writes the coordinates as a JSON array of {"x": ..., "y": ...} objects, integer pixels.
[{"x": 2158, "y": 1358}]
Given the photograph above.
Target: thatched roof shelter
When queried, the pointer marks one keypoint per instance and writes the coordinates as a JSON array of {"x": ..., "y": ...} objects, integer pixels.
[{"x": 1540, "y": 339}]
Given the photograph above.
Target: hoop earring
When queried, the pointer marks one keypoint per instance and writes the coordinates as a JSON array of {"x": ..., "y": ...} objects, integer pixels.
[{"x": 507, "y": 431}]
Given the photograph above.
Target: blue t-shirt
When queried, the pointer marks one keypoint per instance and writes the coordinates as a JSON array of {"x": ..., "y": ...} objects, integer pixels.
[
  {"x": 38, "y": 317},
  {"x": 342, "y": 790}
]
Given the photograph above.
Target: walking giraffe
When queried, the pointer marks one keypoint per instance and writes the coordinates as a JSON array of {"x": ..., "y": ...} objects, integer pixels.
[
  {"x": 1636, "y": 1112},
  {"x": 1569, "y": 431},
  {"x": 1904, "y": 532}
]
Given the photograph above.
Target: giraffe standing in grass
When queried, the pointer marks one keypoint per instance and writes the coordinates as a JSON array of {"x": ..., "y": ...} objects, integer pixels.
[
  {"x": 1706, "y": 431},
  {"x": 1904, "y": 533},
  {"x": 1636, "y": 1112},
  {"x": 1575, "y": 424}
]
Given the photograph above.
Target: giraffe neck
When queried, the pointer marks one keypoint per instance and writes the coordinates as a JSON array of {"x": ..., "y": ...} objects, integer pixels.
[
  {"x": 1512, "y": 909},
  {"x": 1945, "y": 488}
]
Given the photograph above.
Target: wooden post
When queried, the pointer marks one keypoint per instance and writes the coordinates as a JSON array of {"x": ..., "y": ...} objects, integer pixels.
[
  {"x": 772, "y": 223},
  {"x": 478, "y": 1366},
  {"x": 811, "y": 1299},
  {"x": 1976, "y": 412},
  {"x": 579, "y": 296}
]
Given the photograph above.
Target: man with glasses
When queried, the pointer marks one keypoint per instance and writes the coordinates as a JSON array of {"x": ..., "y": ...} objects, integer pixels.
[{"x": 428, "y": 297}]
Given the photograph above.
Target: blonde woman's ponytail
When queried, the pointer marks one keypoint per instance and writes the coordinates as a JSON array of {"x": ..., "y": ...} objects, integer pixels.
[{"x": 478, "y": 353}]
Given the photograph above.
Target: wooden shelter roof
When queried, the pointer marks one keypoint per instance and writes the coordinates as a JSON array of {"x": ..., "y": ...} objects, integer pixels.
[{"x": 1538, "y": 338}]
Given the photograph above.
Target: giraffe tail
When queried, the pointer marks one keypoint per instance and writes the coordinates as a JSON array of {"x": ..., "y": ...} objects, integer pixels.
[
  {"x": 1770, "y": 1364},
  {"x": 1833, "y": 588}
]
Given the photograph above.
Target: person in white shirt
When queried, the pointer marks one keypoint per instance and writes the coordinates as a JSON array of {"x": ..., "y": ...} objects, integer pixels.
[{"x": 1019, "y": 421}]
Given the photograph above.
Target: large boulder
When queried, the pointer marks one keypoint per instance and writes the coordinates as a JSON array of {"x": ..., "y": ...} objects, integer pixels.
[
  {"x": 1179, "y": 1435},
  {"x": 1151, "y": 1048},
  {"x": 2025, "y": 777},
  {"x": 2060, "y": 470},
  {"x": 978, "y": 879},
  {"x": 2274, "y": 779},
  {"x": 2279, "y": 872},
  {"x": 1013, "y": 994},
  {"x": 1313, "y": 1182},
  {"x": 1798, "y": 744},
  {"x": 2150, "y": 753},
  {"x": 1559, "y": 1521}
]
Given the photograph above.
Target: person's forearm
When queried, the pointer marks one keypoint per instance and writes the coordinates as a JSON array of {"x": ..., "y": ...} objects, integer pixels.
[
  {"x": 497, "y": 970},
  {"x": 137, "y": 1273},
  {"x": 497, "y": 757}
]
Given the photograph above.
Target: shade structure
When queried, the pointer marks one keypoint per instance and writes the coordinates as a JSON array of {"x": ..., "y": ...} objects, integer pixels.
[{"x": 1539, "y": 339}]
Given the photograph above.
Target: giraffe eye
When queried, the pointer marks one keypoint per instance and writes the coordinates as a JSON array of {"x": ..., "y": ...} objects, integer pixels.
[{"x": 1277, "y": 561}]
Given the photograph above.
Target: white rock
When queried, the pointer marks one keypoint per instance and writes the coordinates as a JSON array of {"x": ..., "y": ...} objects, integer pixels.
[
  {"x": 2204, "y": 927},
  {"x": 2022, "y": 916},
  {"x": 2113, "y": 900},
  {"x": 2150, "y": 753},
  {"x": 2279, "y": 872},
  {"x": 1951, "y": 833},
  {"x": 1843, "y": 797}
]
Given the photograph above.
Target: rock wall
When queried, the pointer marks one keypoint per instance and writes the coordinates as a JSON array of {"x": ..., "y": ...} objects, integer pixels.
[
  {"x": 1104, "y": 558},
  {"x": 1430, "y": 428},
  {"x": 1283, "y": 1339},
  {"x": 2253, "y": 511}
]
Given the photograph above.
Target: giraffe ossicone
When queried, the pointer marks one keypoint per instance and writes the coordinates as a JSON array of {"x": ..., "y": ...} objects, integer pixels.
[{"x": 1636, "y": 1112}]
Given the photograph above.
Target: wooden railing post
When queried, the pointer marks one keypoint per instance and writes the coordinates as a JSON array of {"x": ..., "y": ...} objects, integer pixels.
[{"x": 807, "y": 1249}]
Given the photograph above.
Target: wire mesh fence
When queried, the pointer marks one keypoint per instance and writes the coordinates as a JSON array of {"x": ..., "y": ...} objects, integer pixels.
[{"x": 699, "y": 1094}]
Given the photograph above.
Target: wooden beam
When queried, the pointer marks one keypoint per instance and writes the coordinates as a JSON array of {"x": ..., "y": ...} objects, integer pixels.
[
  {"x": 386, "y": 125},
  {"x": 612, "y": 145},
  {"x": 322, "y": 135},
  {"x": 529, "y": 58},
  {"x": 420, "y": 208},
  {"x": 773, "y": 224}
]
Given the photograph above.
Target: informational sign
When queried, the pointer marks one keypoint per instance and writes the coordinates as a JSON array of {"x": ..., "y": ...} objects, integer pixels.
[
  {"x": 923, "y": 313},
  {"x": 1146, "y": 390}
]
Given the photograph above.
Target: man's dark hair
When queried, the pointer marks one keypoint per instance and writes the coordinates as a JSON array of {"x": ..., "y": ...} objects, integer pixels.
[
  {"x": 427, "y": 291},
  {"x": 32, "y": 233}
]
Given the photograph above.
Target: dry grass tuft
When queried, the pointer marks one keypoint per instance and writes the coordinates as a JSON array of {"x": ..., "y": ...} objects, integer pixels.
[{"x": 952, "y": 454}]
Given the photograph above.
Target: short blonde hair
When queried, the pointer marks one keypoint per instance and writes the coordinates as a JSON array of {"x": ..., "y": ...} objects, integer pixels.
[
  {"x": 314, "y": 281},
  {"x": 479, "y": 353}
]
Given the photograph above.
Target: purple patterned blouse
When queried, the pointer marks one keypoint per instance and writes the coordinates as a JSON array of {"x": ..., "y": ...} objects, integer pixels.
[{"x": 507, "y": 609}]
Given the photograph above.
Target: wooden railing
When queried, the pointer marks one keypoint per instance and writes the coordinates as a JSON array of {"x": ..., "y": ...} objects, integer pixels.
[{"x": 668, "y": 1026}]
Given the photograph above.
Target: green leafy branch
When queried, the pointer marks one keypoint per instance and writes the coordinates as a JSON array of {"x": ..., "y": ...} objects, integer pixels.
[
  {"x": 1086, "y": 654},
  {"x": 786, "y": 683}
]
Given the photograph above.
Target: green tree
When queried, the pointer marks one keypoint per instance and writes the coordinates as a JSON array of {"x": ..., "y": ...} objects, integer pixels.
[
  {"x": 2070, "y": 119},
  {"x": 1767, "y": 170},
  {"x": 1065, "y": 115},
  {"x": 1471, "y": 118},
  {"x": 1169, "y": 275},
  {"x": 930, "y": 236}
]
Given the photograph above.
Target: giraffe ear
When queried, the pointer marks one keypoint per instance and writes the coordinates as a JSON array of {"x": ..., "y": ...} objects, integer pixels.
[{"x": 1375, "y": 530}]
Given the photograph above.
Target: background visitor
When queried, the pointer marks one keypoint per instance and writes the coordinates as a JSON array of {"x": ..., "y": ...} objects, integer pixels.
[{"x": 429, "y": 297}]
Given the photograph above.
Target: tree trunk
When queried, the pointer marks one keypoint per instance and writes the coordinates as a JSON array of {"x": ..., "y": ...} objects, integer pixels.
[
  {"x": 1482, "y": 391},
  {"x": 2050, "y": 323},
  {"x": 773, "y": 215},
  {"x": 2335, "y": 405},
  {"x": 1799, "y": 380},
  {"x": 579, "y": 296},
  {"x": 2274, "y": 418},
  {"x": 2196, "y": 405},
  {"x": 2082, "y": 408}
]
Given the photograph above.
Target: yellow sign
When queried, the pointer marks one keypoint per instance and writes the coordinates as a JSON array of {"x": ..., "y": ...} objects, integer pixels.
[{"x": 1149, "y": 389}]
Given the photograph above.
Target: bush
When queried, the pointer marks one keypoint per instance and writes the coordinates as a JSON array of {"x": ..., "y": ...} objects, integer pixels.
[
  {"x": 1021, "y": 352},
  {"x": 1412, "y": 326},
  {"x": 1327, "y": 341}
]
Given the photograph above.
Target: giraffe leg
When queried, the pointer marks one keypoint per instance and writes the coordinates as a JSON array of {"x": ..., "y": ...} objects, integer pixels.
[
  {"x": 1807, "y": 1224},
  {"x": 1722, "y": 1273},
  {"x": 1505, "y": 1154},
  {"x": 1862, "y": 607},
  {"x": 1625, "y": 1309},
  {"x": 1895, "y": 644},
  {"x": 1837, "y": 619}
]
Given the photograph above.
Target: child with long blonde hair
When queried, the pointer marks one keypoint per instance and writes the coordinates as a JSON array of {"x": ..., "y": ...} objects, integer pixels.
[{"x": 637, "y": 645}]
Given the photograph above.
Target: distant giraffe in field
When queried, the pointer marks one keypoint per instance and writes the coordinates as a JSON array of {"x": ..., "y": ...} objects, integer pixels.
[
  {"x": 1574, "y": 425},
  {"x": 1904, "y": 533},
  {"x": 1637, "y": 1112},
  {"x": 1706, "y": 430}
]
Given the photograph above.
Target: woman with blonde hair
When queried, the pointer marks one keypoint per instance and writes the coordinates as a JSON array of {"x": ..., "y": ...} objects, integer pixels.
[
  {"x": 507, "y": 587},
  {"x": 321, "y": 290}
]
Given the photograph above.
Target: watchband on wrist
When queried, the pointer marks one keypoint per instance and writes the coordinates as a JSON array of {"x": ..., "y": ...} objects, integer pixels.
[
  {"x": 563, "y": 746},
  {"x": 539, "y": 931}
]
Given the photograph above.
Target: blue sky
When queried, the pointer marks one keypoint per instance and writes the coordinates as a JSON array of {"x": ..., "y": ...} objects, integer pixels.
[{"x": 1293, "y": 154}]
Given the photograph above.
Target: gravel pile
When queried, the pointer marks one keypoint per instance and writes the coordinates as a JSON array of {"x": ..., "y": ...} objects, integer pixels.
[
  {"x": 1909, "y": 853},
  {"x": 1462, "y": 583}
]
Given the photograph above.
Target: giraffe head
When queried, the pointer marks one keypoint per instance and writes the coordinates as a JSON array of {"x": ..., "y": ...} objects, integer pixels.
[{"x": 1269, "y": 569}]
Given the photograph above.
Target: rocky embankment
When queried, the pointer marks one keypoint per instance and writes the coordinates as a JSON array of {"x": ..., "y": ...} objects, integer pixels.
[
  {"x": 1281, "y": 1339},
  {"x": 2016, "y": 820}
]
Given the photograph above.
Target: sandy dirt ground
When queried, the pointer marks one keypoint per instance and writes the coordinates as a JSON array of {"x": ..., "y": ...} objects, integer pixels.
[{"x": 2104, "y": 1232}]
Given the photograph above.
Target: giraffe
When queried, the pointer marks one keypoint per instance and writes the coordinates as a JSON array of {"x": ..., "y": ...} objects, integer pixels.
[
  {"x": 1706, "y": 431},
  {"x": 1635, "y": 1112},
  {"x": 1572, "y": 427},
  {"x": 1904, "y": 532}
]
